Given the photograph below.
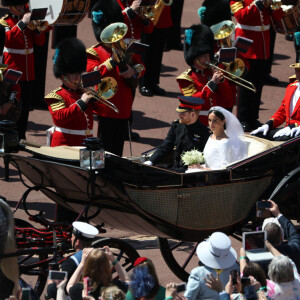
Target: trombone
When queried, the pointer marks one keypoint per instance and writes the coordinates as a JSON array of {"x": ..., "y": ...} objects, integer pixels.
[
  {"x": 235, "y": 79},
  {"x": 107, "y": 88}
]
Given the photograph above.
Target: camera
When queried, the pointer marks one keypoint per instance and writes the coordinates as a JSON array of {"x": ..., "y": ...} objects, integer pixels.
[
  {"x": 263, "y": 204},
  {"x": 181, "y": 287},
  {"x": 233, "y": 274},
  {"x": 57, "y": 275}
]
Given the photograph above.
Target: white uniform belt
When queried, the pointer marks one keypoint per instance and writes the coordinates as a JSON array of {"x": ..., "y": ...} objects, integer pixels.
[
  {"x": 253, "y": 28},
  {"x": 18, "y": 51},
  {"x": 74, "y": 132},
  {"x": 203, "y": 112}
]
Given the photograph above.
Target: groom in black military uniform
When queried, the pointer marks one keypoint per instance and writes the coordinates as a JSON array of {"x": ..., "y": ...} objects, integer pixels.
[{"x": 186, "y": 133}]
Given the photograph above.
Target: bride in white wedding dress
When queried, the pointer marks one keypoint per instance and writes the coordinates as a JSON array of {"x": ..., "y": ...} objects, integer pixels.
[{"x": 225, "y": 145}]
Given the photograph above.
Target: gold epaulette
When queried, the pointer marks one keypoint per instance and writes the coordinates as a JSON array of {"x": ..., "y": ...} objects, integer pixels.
[
  {"x": 60, "y": 103},
  {"x": 92, "y": 51},
  {"x": 3, "y": 22},
  {"x": 235, "y": 7},
  {"x": 185, "y": 75},
  {"x": 293, "y": 80}
]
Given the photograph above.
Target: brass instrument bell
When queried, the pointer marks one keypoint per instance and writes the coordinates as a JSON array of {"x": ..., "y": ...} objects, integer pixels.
[
  {"x": 223, "y": 32},
  {"x": 38, "y": 25},
  {"x": 236, "y": 68},
  {"x": 113, "y": 35}
]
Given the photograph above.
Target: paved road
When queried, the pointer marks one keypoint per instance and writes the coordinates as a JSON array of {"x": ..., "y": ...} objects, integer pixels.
[{"x": 152, "y": 117}]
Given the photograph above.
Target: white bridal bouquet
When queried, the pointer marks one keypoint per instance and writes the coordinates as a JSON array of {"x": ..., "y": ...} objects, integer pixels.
[{"x": 192, "y": 157}]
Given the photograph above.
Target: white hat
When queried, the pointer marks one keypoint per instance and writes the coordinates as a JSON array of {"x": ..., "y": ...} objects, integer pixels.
[
  {"x": 273, "y": 220},
  {"x": 84, "y": 231},
  {"x": 216, "y": 252}
]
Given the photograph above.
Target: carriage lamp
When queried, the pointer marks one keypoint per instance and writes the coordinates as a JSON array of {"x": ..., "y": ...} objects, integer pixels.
[
  {"x": 9, "y": 140},
  {"x": 93, "y": 156}
]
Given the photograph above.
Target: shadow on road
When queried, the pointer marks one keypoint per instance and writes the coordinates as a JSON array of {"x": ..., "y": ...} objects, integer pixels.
[{"x": 141, "y": 122}]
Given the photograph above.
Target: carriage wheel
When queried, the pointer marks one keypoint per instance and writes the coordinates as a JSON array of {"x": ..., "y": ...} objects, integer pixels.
[
  {"x": 122, "y": 250},
  {"x": 37, "y": 276},
  {"x": 170, "y": 250}
]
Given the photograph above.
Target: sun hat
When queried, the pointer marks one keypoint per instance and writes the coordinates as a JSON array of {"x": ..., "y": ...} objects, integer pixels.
[{"x": 216, "y": 252}]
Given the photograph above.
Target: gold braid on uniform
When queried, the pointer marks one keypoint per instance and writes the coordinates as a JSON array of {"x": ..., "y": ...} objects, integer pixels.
[
  {"x": 59, "y": 104},
  {"x": 107, "y": 63},
  {"x": 190, "y": 90},
  {"x": 235, "y": 7},
  {"x": 3, "y": 22}
]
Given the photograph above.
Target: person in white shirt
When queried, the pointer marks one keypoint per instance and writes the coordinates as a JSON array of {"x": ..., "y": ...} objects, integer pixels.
[{"x": 288, "y": 112}]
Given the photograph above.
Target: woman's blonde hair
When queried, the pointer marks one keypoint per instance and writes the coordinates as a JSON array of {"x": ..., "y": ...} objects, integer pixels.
[
  {"x": 97, "y": 267},
  {"x": 112, "y": 293}
]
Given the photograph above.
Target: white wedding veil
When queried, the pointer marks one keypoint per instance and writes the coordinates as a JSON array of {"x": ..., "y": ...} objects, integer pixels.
[{"x": 234, "y": 131}]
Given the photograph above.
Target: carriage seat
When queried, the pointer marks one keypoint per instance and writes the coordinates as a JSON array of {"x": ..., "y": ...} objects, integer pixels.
[{"x": 257, "y": 145}]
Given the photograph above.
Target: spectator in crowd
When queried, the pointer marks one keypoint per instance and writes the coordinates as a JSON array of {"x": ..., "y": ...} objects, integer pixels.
[
  {"x": 157, "y": 290},
  {"x": 288, "y": 112},
  {"x": 9, "y": 269},
  {"x": 291, "y": 247},
  {"x": 185, "y": 134},
  {"x": 18, "y": 52},
  {"x": 284, "y": 280},
  {"x": 144, "y": 285},
  {"x": 96, "y": 264},
  {"x": 217, "y": 257},
  {"x": 112, "y": 293},
  {"x": 82, "y": 237}
]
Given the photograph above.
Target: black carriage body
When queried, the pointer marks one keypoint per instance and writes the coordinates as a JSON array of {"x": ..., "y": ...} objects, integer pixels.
[{"x": 156, "y": 201}]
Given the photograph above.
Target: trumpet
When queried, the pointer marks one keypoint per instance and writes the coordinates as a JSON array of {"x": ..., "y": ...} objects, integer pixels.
[
  {"x": 234, "y": 78},
  {"x": 106, "y": 89},
  {"x": 38, "y": 25}
]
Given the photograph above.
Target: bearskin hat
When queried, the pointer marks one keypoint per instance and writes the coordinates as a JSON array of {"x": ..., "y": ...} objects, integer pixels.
[
  {"x": 13, "y": 2},
  {"x": 105, "y": 13},
  {"x": 2, "y": 39},
  {"x": 216, "y": 11},
  {"x": 70, "y": 57},
  {"x": 199, "y": 39}
]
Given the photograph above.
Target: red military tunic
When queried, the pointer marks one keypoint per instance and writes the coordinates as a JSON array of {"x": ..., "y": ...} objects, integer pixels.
[
  {"x": 134, "y": 22},
  {"x": 283, "y": 113},
  {"x": 196, "y": 84},
  {"x": 254, "y": 24},
  {"x": 99, "y": 58},
  {"x": 72, "y": 118},
  {"x": 18, "y": 50}
]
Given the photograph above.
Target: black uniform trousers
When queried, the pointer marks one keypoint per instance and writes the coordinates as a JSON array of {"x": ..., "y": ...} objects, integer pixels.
[
  {"x": 249, "y": 102},
  {"x": 173, "y": 37},
  {"x": 26, "y": 97},
  {"x": 112, "y": 133},
  {"x": 272, "y": 46},
  {"x": 152, "y": 57}
]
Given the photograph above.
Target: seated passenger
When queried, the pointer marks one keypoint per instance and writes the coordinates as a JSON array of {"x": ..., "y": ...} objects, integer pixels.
[
  {"x": 225, "y": 145},
  {"x": 185, "y": 134}
]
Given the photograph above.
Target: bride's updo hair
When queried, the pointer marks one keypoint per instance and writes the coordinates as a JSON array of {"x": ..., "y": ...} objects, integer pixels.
[{"x": 218, "y": 114}]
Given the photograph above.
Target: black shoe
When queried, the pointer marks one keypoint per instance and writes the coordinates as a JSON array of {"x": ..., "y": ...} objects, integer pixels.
[
  {"x": 134, "y": 136},
  {"x": 156, "y": 90},
  {"x": 145, "y": 91},
  {"x": 289, "y": 37},
  {"x": 246, "y": 126},
  {"x": 271, "y": 80}
]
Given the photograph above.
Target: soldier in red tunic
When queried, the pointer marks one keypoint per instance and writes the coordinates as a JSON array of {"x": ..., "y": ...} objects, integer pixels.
[
  {"x": 201, "y": 81},
  {"x": 113, "y": 127},
  {"x": 253, "y": 22},
  {"x": 71, "y": 109},
  {"x": 18, "y": 52},
  {"x": 288, "y": 112}
]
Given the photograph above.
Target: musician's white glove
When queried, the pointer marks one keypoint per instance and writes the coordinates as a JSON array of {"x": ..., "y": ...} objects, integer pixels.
[
  {"x": 264, "y": 129},
  {"x": 284, "y": 131},
  {"x": 295, "y": 131},
  {"x": 148, "y": 163}
]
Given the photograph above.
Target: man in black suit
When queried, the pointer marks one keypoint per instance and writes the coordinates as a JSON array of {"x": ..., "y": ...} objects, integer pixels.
[
  {"x": 186, "y": 133},
  {"x": 291, "y": 247}
]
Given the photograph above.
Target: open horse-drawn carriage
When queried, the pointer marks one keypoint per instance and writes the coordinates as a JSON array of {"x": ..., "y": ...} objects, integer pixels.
[{"x": 182, "y": 207}]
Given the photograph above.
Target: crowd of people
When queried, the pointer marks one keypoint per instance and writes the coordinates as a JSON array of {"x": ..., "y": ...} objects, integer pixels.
[{"x": 221, "y": 274}]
